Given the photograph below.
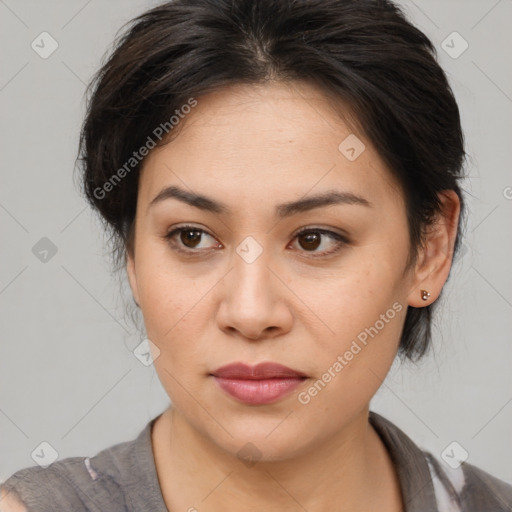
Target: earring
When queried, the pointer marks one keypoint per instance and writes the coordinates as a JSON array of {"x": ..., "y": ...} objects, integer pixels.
[{"x": 425, "y": 294}]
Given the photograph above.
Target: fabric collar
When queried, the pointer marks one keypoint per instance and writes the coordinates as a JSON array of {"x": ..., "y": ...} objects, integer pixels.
[{"x": 410, "y": 463}]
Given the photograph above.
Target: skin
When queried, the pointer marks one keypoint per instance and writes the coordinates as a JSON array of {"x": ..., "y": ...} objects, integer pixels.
[
  {"x": 10, "y": 503},
  {"x": 251, "y": 148}
]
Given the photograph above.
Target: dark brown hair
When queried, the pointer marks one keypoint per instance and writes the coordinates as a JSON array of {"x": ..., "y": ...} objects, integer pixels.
[{"x": 363, "y": 52}]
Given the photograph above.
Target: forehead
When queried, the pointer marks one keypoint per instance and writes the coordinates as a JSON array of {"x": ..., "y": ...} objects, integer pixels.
[{"x": 278, "y": 138}]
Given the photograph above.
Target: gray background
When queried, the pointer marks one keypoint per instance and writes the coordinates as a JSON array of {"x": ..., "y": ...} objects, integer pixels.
[{"x": 67, "y": 373}]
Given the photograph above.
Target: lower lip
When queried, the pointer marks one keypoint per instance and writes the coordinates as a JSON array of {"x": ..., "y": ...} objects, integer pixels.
[{"x": 258, "y": 392}]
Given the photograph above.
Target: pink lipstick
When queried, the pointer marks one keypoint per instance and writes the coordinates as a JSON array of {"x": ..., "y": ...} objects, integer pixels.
[{"x": 262, "y": 384}]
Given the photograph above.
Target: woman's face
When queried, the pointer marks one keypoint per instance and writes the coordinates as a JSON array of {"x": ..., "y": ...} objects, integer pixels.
[{"x": 247, "y": 289}]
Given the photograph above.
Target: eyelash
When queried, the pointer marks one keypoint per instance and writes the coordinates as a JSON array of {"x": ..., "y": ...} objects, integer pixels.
[{"x": 341, "y": 240}]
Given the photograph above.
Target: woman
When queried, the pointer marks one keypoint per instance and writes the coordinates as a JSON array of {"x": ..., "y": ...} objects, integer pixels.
[{"x": 266, "y": 169}]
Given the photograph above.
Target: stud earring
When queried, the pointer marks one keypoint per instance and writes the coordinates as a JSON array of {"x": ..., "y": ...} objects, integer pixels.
[{"x": 425, "y": 294}]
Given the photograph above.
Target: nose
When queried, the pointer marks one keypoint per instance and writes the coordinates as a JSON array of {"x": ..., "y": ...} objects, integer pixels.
[{"x": 255, "y": 302}]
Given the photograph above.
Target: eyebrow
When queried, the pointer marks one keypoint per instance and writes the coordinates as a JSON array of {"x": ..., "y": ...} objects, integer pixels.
[{"x": 328, "y": 198}]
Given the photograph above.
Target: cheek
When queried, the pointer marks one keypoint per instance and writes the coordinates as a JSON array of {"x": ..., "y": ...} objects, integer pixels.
[
  {"x": 364, "y": 309},
  {"x": 175, "y": 322},
  {"x": 169, "y": 297},
  {"x": 351, "y": 364},
  {"x": 362, "y": 289}
]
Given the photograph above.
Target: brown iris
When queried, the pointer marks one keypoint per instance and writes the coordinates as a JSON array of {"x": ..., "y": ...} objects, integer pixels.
[
  {"x": 310, "y": 240},
  {"x": 189, "y": 236}
]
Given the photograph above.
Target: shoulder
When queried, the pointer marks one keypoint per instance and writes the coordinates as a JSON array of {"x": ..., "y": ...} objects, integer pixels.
[
  {"x": 482, "y": 490},
  {"x": 472, "y": 488},
  {"x": 80, "y": 484},
  {"x": 32, "y": 487},
  {"x": 65, "y": 484},
  {"x": 430, "y": 483},
  {"x": 10, "y": 502}
]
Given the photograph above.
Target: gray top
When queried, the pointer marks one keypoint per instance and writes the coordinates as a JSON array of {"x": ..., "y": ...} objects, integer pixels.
[{"x": 123, "y": 478}]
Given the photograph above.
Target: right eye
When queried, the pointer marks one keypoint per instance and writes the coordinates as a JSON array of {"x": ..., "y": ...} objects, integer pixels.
[{"x": 186, "y": 239}]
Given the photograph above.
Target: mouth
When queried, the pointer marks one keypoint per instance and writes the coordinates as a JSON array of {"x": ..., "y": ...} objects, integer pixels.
[{"x": 262, "y": 384}]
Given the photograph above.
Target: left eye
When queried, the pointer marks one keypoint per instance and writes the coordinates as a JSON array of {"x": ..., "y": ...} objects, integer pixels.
[{"x": 310, "y": 240}]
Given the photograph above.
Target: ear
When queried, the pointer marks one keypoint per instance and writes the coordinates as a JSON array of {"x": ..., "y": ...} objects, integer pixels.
[
  {"x": 435, "y": 256},
  {"x": 132, "y": 276}
]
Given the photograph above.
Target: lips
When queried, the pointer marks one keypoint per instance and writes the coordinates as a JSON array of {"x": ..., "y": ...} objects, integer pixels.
[
  {"x": 262, "y": 384},
  {"x": 261, "y": 371}
]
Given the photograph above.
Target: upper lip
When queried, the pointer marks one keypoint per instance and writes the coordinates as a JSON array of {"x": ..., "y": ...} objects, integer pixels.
[{"x": 266, "y": 370}]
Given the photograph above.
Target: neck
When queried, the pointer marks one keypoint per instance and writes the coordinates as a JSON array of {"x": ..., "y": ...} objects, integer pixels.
[{"x": 352, "y": 471}]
